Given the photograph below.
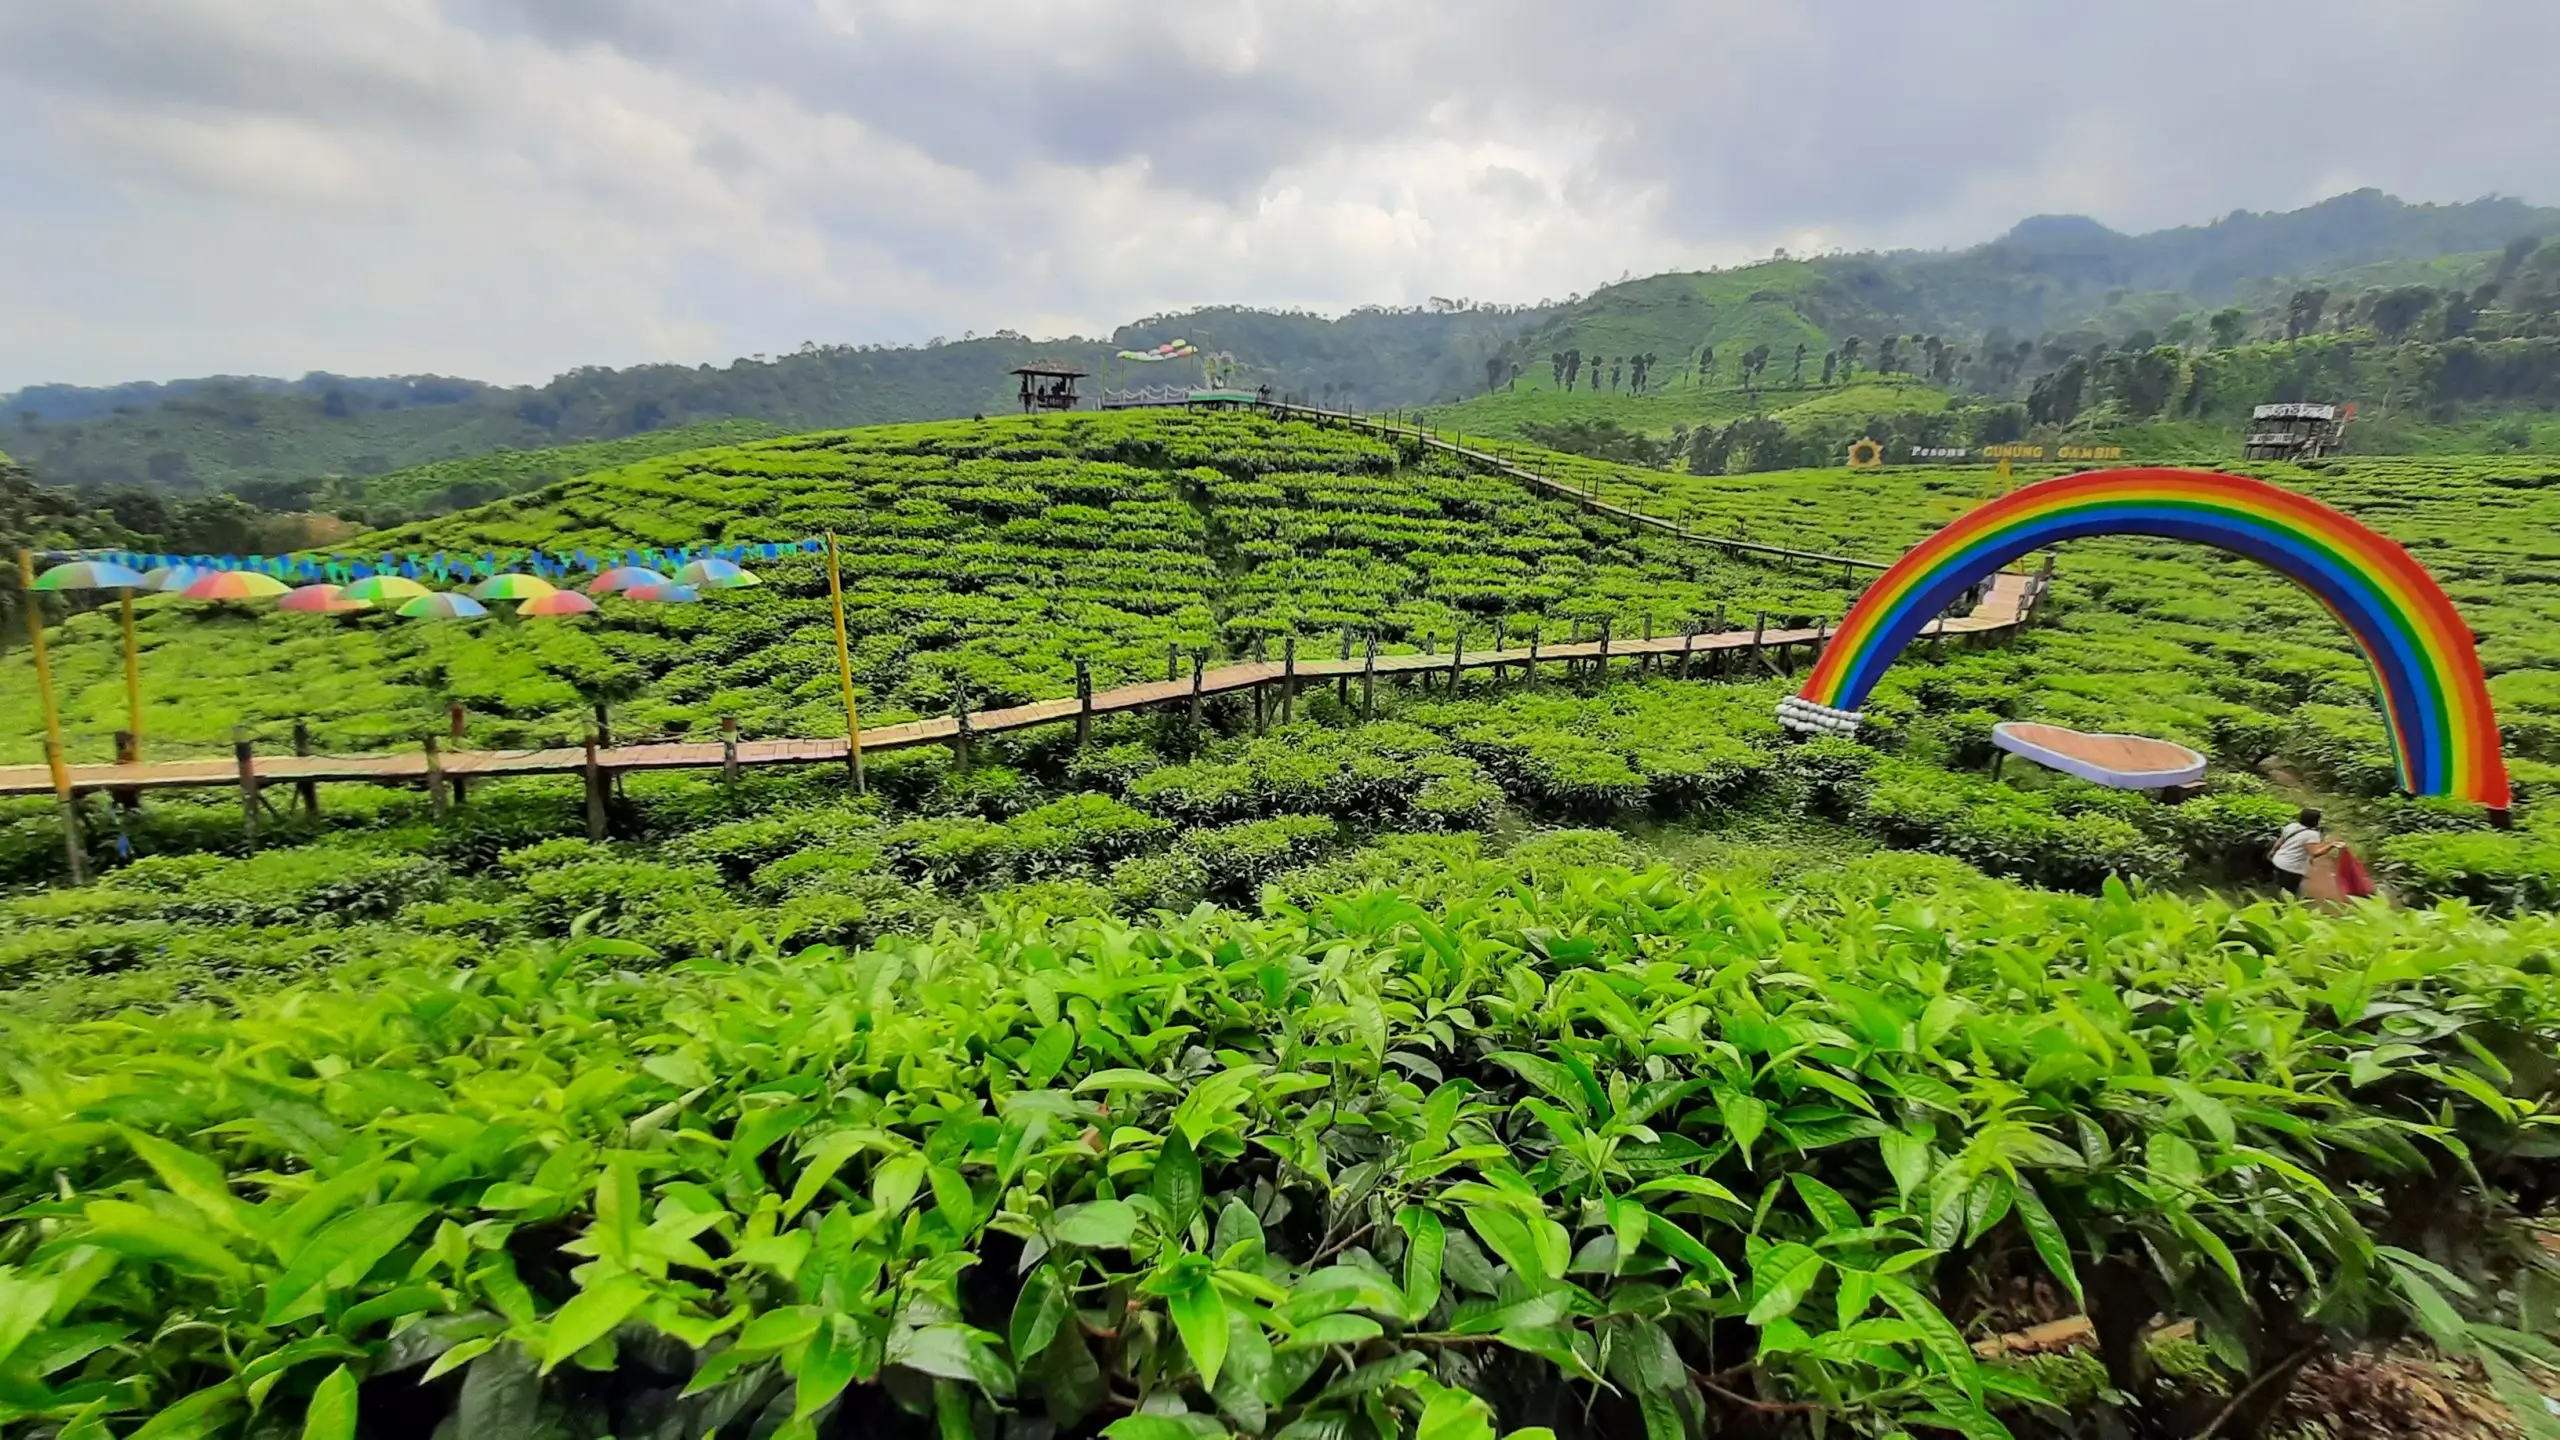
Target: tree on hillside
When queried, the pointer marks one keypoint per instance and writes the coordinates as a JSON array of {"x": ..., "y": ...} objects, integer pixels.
[
  {"x": 2513, "y": 258},
  {"x": 1934, "y": 357},
  {"x": 1555, "y": 364},
  {"x": 2302, "y": 312},
  {"x": 1796, "y": 376},
  {"x": 1617, "y": 369},
  {"x": 1830, "y": 365},
  {"x": 1707, "y": 364},
  {"x": 1848, "y": 358},
  {"x": 2055, "y": 398},
  {"x": 2397, "y": 311},
  {"x": 1887, "y": 361},
  {"x": 2460, "y": 310},
  {"x": 2227, "y": 325},
  {"x": 1572, "y": 367},
  {"x": 1495, "y": 367}
]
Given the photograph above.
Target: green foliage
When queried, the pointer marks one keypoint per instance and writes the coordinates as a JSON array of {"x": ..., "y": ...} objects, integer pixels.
[{"x": 1278, "y": 1172}]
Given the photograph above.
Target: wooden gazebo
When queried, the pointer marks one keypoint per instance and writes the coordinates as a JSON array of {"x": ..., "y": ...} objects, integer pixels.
[{"x": 1049, "y": 386}]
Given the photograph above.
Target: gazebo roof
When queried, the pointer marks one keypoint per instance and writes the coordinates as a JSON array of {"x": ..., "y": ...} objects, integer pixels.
[{"x": 1052, "y": 370}]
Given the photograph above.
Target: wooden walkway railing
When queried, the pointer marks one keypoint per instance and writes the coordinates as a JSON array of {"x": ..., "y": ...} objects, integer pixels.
[{"x": 2010, "y": 602}]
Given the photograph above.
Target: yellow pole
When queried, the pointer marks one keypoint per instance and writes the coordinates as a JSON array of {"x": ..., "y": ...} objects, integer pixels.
[
  {"x": 844, "y": 663},
  {"x": 52, "y": 719},
  {"x": 132, "y": 679}
]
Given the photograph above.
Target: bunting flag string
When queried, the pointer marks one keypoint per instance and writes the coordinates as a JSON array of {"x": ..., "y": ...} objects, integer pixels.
[{"x": 446, "y": 567}]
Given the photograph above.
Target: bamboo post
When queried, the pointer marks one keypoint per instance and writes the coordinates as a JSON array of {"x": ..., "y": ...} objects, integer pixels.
[
  {"x": 1288, "y": 679},
  {"x": 248, "y": 768},
  {"x": 75, "y": 853},
  {"x": 436, "y": 800},
  {"x": 1199, "y": 668},
  {"x": 1084, "y": 703},
  {"x": 595, "y": 788},
  {"x": 844, "y": 666},
  {"x": 729, "y": 749},
  {"x": 1369, "y": 680},
  {"x": 306, "y": 793},
  {"x": 132, "y": 679}
]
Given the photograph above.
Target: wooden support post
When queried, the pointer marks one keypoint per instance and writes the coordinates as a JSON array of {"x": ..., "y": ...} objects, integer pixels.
[
  {"x": 604, "y": 727},
  {"x": 1457, "y": 658},
  {"x": 1288, "y": 679},
  {"x": 844, "y": 667},
  {"x": 306, "y": 793},
  {"x": 1759, "y": 627},
  {"x": 435, "y": 778},
  {"x": 1342, "y": 684},
  {"x": 75, "y": 850},
  {"x": 1172, "y": 660},
  {"x": 132, "y": 676},
  {"x": 248, "y": 768},
  {"x": 1999, "y": 758},
  {"x": 1537, "y": 629},
  {"x": 1369, "y": 681},
  {"x": 1084, "y": 703},
  {"x": 456, "y": 717},
  {"x": 1603, "y": 671},
  {"x": 1688, "y": 647},
  {"x": 729, "y": 749},
  {"x": 1199, "y": 668},
  {"x": 596, "y": 784},
  {"x": 960, "y": 726},
  {"x": 1787, "y": 659}
]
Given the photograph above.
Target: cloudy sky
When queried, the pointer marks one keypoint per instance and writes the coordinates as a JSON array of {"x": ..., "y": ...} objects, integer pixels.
[{"x": 508, "y": 188}]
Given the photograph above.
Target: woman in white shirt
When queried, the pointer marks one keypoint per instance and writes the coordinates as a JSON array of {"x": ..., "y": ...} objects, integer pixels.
[{"x": 2297, "y": 845}]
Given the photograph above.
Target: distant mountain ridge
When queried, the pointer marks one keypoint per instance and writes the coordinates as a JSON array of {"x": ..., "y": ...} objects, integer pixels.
[{"x": 2047, "y": 274}]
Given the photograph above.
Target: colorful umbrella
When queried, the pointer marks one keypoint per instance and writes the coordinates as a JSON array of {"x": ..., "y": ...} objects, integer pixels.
[
  {"x": 558, "y": 602},
  {"x": 234, "y": 585},
  {"x": 716, "y": 574},
  {"x": 90, "y": 575},
  {"x": 511, "y": 587},
  {"x": 172, "y": 577},
  {"x": 623, "y": 577},
  {"x": 443, "y": 605},
  {"x": 381, "y": 588},
  {"x": 664, "y": 594},
  {"x": 322, "y": 600}
]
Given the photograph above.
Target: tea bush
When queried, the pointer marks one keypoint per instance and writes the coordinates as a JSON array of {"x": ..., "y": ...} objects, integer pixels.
[{"x": 1543, "y": 1142}]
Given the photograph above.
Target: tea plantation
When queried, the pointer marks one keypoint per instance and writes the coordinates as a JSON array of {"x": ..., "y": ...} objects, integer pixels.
[{"x": 1581, "y": 1058}]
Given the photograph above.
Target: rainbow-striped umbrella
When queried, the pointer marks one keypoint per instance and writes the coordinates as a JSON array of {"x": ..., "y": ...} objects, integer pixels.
[
  {"x": 90, "y": 575},
  {"x": 322, "y": 600},
  {"x": 624, "y": 577},
  {"x": 511, "y": 587},
  {"x": 382, "y": 588},
  {"x": 663, "y": 594},
  {"x": 443, "y": 605},
  {"x": 712, "y": 573},
  {"x": 172, "y": 577},
  {"x": 558, "y": 602},
  {"x": 234, "y": 585}
]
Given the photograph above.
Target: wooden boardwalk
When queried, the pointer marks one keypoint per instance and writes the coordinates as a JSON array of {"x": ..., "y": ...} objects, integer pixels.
[{"x": 2008, "y": 604}]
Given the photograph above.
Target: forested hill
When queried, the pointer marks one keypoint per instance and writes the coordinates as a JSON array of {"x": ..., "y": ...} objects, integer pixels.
[{"x": 2054, "y": 283}]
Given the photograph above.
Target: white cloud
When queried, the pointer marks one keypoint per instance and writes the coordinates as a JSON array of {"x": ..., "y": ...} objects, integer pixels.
[{"x": 507, "y": 188}]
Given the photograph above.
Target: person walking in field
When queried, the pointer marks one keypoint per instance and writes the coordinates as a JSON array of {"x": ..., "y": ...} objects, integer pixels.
[{"x": 2298, "y": 847}]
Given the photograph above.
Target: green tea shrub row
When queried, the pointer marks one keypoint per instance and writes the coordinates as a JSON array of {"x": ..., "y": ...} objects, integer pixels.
[{"x": 1539, "y": 1144}]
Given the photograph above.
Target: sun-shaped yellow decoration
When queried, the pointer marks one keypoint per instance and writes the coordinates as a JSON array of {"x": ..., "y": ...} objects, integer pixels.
[{"x": 1866, "y": 455}]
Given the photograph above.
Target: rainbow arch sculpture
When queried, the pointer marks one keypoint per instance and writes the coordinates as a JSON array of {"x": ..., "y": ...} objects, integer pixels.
[{"x": 2443, "y": 729}]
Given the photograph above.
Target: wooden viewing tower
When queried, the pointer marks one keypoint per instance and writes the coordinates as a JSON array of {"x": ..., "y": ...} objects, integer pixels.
[{"x": 1049, "y": 386}]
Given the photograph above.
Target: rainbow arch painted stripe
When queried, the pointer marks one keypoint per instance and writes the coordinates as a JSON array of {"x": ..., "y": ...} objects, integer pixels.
[{"x": 2433, "y": 692}]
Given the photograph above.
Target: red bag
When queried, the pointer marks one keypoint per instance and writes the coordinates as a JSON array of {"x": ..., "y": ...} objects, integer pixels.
[{"x": 2353, "y": 881}]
